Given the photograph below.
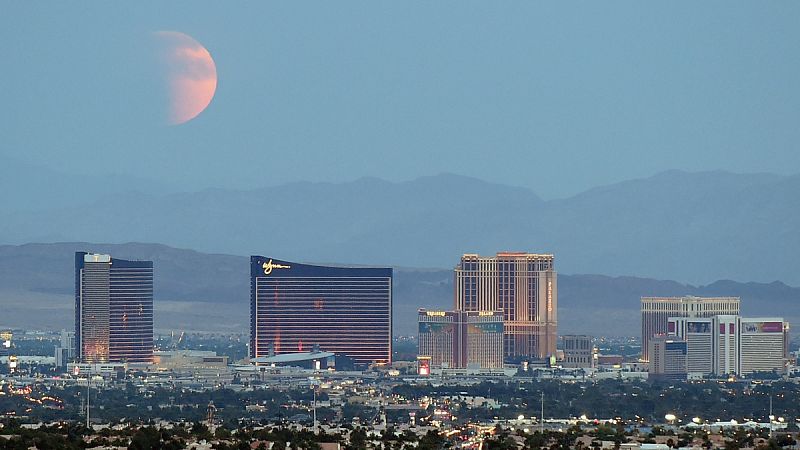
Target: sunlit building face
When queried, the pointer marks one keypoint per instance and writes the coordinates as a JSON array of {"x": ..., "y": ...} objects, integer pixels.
[
  {"x": 113, "y": 309},
  {"x": 521, "y": 285}
]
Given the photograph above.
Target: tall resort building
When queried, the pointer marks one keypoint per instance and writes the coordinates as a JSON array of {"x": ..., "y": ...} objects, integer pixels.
[
  {"x": 523, "y": 286},
  {"x": 727, "y": 345},
  {"x": 345, "y": 310},
  {"x": 113, "y": 309},
  {"x": 657, "y": 310},
  {"x": 461, "y": 339},
  {"x": 712, "y": 343},
  {"x": 762, "y": 344},
  {"x": 700, "y": 335}
]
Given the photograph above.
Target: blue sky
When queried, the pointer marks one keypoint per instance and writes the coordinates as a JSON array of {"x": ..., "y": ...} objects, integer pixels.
[{"x": 555, "y": 96}]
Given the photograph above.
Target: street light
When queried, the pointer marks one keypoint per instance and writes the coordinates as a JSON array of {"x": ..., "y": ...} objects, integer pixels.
[
  {"x": 670, "y": 417},
  {"x": 697, "y": 420}
]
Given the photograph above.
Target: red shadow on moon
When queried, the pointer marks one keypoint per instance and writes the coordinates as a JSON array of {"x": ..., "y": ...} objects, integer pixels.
[{"x": 190, "y": 73}]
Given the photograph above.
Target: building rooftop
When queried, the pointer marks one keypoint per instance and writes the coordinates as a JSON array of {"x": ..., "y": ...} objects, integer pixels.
[{"x": 292, "y": 357}]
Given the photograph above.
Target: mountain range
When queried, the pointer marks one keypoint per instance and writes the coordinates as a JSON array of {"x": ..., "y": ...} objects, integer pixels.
[
  {"x": 693, "y": 227},
  {"x": 210, "y": 292}
]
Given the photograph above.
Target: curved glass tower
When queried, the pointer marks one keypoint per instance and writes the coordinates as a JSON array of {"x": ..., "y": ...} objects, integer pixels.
[{"x": 295, "y": 307}]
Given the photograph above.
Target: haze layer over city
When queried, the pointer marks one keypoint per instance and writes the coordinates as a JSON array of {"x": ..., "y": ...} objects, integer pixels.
[{"x": 399, "y": 225}]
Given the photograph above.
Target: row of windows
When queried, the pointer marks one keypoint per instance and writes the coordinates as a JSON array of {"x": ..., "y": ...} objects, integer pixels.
[{"x": 303, "y": 314}]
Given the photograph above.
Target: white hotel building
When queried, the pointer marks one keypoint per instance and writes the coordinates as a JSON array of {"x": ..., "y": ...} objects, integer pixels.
[
  {"x": 657, "y": 310},
  {"x": 730, "y": 344}
]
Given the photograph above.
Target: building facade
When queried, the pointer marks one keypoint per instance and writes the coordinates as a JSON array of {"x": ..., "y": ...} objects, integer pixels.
[
  {"x": 726, "y": 345},
  {"x": 762, "y": 345},
  {"x": 113, "y": 309},
  {"x": 65, "y": 351},
  {"x": 732, "y": 345},
  {"x": 440, "y": 339},
  {"x": 657, "y": 310},
  {"x": 484, "y": 331},
  {"x": 699, "y": 334},
  {"x": 669, "y": 358},
  {"x": 524, "y": 287},
  {"x": 344, "y": 310},
  {"x": 578, "y": 351},
  {"x": 461, "y": 339},
  {"x": 5, "y": 342}
]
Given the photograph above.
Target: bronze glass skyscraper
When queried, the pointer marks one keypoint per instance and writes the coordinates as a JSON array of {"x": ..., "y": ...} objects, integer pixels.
[
  {"x": 345, "y": 310},
  {"x": 523, "y": 286},
  {"x": 113, "y": 309}
]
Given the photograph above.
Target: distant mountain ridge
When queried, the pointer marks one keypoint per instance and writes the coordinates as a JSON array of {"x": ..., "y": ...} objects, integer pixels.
[
  {"x": 45, "y": 188},
  {"x": 694, "y": 227},
  {"x": 210, "y": 292}
]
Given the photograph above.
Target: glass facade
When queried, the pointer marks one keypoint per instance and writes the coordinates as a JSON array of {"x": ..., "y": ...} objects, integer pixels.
[
  {"x": 113, "y": 309},
  {"x": 461, "y": 339},
  {"x": 521, "y": 285},
  {"x": 344, "y": 310}
]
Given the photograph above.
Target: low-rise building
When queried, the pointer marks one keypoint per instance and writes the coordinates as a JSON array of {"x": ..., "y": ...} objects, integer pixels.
[
  {"x": 668, "y": 358},
  {"x": 460, "y": 339},
  {"x": 578, "y": 351}
]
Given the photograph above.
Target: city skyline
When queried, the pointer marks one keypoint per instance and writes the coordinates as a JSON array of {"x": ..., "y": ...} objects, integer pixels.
[
  {"x": 400, "y": 225},
  {"x": 196, "y": 293}
]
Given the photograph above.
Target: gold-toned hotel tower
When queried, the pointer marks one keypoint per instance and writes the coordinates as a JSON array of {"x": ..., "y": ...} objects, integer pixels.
[{"x": 524, "y": 287}]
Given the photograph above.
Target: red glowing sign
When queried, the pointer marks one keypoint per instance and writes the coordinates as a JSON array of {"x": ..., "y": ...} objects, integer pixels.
[{"x": 424, "y": 366}]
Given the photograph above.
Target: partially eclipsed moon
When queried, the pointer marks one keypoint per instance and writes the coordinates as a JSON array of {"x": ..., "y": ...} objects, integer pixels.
[{"x": 191, "y": 75}]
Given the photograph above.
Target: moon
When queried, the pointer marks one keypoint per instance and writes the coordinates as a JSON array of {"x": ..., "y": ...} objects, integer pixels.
[{"x": 190, "y": 75}]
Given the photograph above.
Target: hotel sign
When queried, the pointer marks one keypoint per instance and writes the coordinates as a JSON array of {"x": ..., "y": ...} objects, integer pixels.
[
  {"x": 762, "y": 327},
  {"x": 269, "y": 266}
]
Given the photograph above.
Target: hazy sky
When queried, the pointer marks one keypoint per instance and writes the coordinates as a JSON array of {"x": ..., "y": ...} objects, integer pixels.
[{"x": 556, "y": 96}]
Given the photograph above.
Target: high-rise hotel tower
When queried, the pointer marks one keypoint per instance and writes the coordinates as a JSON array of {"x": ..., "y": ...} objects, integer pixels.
[
  {"x": 657, "y": 310},
  {"x": 345, "y": 310},
  {"x": 461, "y": 339},
  {"x": 523, "y": 286},
  {"x": 113, "y": 309}
]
